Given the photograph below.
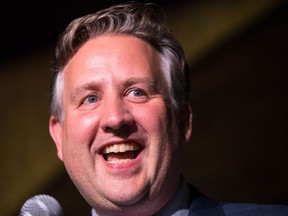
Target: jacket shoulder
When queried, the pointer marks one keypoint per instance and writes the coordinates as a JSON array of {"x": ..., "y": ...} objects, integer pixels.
[
  {"x": 203, "y": 206},
  {"x": 246, "y": 209}
]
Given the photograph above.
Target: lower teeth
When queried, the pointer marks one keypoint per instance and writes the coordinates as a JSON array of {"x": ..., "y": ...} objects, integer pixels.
[
  {"x": 119, "y": 158},
  {"x": 119, "y": 161}
]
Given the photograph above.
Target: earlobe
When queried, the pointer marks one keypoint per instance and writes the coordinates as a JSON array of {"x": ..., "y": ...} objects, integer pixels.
[
  {"x": 55, "y": 129},
  {"x": 188, "y": 122}
]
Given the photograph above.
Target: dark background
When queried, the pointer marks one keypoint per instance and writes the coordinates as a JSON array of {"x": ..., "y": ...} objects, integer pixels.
[
  {"x": 238, "y": 151},
  {"x": 28, "y": 25}
]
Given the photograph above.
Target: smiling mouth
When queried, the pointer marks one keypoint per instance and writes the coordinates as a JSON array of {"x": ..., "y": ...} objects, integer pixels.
[{"x": 121, "y": 153}]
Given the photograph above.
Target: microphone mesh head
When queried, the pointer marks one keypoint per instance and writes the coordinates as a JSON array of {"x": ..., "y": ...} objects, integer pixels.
[{"x": 41, "y": 205}]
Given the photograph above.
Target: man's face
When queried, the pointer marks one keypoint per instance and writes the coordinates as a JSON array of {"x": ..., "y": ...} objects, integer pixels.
[{"x": 116, "y": 136}]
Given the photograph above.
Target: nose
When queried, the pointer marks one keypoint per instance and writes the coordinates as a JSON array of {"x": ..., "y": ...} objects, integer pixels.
[{"x": 116, "y": 116}]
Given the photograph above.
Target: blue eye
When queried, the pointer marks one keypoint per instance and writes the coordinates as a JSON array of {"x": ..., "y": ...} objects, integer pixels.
[
  {"x": 137, "y": 93},
  {"x": 92, "y": 99},
  {"x": 137, "y": 96}
]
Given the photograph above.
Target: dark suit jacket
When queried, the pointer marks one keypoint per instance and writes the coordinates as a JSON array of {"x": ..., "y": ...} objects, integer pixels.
[{"x": 202, "y": 206}]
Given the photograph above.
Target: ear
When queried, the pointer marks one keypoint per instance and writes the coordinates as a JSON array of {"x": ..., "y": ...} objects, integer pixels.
[
  {"x": 56, "y": 132},
  {"x": 187, "y": 119}
]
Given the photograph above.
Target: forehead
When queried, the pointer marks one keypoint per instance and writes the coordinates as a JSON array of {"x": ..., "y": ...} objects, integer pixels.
[
  {"x": 114, "y": 47},
  {"x": 114, "y": 54}
]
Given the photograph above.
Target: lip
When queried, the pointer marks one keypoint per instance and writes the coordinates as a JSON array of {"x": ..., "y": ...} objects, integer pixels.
[{"x": 121, "y": 166}]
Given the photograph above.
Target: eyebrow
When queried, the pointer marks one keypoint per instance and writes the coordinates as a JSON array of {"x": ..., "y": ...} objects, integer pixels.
[
  {"x": 154, "y": 84},
  {"x": 95, "y": 85},
  {"x": 81, "y": 89}
]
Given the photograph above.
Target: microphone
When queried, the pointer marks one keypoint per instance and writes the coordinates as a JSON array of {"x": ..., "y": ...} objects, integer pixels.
[{"x": 41, "y": 205}]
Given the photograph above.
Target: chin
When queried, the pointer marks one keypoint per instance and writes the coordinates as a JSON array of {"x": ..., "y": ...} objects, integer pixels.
[{"x": 126, "y": 197}]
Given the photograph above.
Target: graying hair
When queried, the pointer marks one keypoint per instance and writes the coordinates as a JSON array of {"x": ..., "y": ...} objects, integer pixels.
[{"x": 142, "y": 20}]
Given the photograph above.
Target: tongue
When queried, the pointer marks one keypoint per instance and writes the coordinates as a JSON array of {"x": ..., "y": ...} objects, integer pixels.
[{"x": 121, "y": 156}]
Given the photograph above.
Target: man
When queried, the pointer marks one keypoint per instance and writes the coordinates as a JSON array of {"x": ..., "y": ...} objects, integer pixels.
[{"x": 120, "y": 116}]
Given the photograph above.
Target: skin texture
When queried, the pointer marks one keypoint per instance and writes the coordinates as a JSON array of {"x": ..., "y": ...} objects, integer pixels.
[{"x": 115, "y": 93}]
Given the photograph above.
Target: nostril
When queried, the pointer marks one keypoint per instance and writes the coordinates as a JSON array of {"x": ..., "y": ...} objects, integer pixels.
[
  {"x": 119, "y": 124},
  {"x": 123, "y": 131}
]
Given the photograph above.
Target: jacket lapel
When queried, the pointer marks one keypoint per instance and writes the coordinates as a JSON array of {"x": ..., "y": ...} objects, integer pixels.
[{"x": 202, "y": 206}]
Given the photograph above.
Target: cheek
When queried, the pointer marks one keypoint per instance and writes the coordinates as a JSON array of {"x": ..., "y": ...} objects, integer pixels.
[
  {"x": 162, "y": 126},
  {"x": 79, "y": 129},
  {"x": 153, "y": 119},
  {"x": 79, "y": 133}
]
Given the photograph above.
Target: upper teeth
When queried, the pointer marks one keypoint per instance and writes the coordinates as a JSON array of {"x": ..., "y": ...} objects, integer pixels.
[{"x": 116, "y": 148}]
